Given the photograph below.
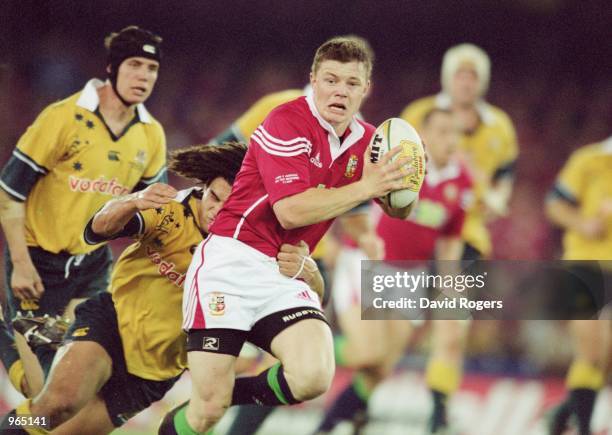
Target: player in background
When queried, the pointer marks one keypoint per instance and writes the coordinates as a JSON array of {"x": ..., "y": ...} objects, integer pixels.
[
  {"x": 308, "y": 163},
  {"x": 581, "y": 204},
  {"x": 489, "y": 148},
  {"x": 488, "y": 141},
  {"x": 80, "y": 152},
  {"x": 432, "y": 231},
  {"x": 126, "y": 349}
]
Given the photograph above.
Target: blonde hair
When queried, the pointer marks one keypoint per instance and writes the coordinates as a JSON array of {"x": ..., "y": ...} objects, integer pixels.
[{"x": 460, "y": 54}]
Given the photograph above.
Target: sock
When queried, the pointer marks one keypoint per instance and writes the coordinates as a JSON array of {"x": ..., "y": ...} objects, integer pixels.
[
  {"x": 443, "y": 379},
  {"x": 442, "y": 376},
  {"x": 438, "y": 415},
  {"x": 340, "y": 343},
  {"x": 269, "y": 388},
  {"x": 583, "y": 374},
  {"x": 352, "y": 401},
  {"x": 581, "y": 402},
  {"x": 16, "y": 375},
  {"x": 248, "y": 419},
  {"x": 583, "y": 380},
  {"x": 181, "y": 425}
]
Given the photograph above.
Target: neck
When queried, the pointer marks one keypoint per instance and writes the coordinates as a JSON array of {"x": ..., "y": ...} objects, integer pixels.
[
  {"x": 112, "y": 107},
  {"x": 341, "y": 129}
]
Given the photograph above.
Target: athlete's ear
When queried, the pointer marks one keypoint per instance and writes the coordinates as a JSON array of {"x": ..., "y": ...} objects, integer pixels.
[{"x": 312, "y": 78}]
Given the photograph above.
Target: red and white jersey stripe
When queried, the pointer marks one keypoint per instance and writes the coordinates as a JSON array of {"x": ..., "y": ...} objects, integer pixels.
[{"x": 294, "y": 149}]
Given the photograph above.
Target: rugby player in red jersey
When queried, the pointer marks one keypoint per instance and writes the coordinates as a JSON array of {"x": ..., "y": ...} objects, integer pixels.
[{"x": 308, "y": 163}]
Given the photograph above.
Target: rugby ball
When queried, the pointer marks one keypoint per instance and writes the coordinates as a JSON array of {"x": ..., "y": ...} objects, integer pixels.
[{"x": 396, "y": 132}]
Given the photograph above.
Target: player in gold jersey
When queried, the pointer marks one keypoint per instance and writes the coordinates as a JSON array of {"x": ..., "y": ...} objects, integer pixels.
[
  {"x": 126, "y": 348},
  {"x": 581, "y": 204},
  {"x": 488, "y": 147},
  {"x": 80, "y": 152}
]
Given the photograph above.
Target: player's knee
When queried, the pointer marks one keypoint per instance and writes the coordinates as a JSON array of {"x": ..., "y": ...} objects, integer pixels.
[
  {"x": 311, "y": 381},
  {"x": 59, "y": 407}
]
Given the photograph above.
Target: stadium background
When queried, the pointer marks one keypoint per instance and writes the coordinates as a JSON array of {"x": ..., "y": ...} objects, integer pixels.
[{"x": 551, "y": 72}]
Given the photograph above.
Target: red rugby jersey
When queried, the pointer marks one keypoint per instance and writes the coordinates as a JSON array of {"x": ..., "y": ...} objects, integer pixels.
[
  {"x": 293, "y": 150},
  {"x": 440, "y": 212}
]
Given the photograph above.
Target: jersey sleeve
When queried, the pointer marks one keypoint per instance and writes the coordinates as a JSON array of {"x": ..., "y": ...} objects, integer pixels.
[
  {"x": 570, "y": 181},
  {"x": 37, "y": 151},
  {"x": 282, "y": 153},
  {"x": 510, "y": 149},
  {"x": 156, "y": 171}
]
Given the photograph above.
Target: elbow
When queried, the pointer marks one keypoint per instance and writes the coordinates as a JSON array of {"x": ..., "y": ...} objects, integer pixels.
[{"x": 287, "y": 216}]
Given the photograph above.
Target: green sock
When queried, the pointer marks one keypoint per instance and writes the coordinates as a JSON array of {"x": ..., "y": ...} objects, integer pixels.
[
  {"x": 182, "y": 426},
  {"x": 340, "y": 343}
]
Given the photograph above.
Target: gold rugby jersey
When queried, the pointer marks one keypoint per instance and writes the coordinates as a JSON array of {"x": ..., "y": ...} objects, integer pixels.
[
  {"x": 147, "y": 288},
  {"x": 68, "y": 164},
  {"x": 586, "y": 182},
  {"x": 491, "y": 151}
]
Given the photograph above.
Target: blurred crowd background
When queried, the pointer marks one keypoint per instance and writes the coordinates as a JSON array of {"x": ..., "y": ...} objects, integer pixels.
[{"x": 551, "y": 72}]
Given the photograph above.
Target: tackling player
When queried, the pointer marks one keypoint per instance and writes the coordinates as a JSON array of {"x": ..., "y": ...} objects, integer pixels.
[
  {"x": 79, "y": 153},
  {"x": 581, "y": 204},
  {"x": 308, "y": 163},
  {"x": 126, "y": 349},
  {"x": 433, "y": 230}
]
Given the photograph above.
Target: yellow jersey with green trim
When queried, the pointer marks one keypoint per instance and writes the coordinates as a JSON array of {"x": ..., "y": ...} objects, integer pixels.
[
  {"x": 491, "y": 149},
  {"x": 68, "y": 164},
  {"x": 147, "y": 288},
  {"x": 586, "y": 181}
]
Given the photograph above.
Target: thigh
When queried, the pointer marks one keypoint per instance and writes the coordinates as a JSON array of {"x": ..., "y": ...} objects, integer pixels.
[
  {"x": 79, "y": 370},
  {"x": 306, "y": 345}
]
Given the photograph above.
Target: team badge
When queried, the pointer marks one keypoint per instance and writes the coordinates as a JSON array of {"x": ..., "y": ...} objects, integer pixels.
[
  {"x": 451, "y": 192},
  {"x": 216, "y": 304},
  {"x": 351, "y": 166}
]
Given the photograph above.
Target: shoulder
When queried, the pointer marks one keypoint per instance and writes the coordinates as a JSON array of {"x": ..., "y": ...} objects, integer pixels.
[
  {"x": 291, "y": 116},
  {"x": 499, "y": 117},
  {"x": 421, "y": 105},
  {"x": 464, "y": 178},
  {"x": 61, "y": 109},
  {"x": 268, "y": 102},
  {"x": 587, "y": 154}
]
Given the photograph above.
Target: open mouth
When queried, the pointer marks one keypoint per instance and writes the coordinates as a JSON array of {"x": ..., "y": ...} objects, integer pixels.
[
  {"x": 337, "y": 108},
  {"x": 139, "y": 90}
]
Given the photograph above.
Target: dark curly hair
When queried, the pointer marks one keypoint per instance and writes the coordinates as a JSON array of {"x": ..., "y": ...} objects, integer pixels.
[{"x": 207, "y": 162}]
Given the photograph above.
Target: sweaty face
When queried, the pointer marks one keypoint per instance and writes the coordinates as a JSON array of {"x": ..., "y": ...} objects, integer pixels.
[
  {"x": 136, "y": 78},
  {"x": 214, "y": 197},
  {"x": 339, "y": 88},
  {"x": 465, "y": 86},
  {"x": 441, "y": 135}
]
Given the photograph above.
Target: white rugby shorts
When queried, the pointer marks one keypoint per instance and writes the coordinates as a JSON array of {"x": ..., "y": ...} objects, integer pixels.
[{"x": 232, "y": 285}]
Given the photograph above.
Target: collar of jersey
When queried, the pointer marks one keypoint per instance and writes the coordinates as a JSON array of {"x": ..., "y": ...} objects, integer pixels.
[
  {"x": 436, "y": 176},
  {"x": 90, "y": 100},
  {"x": 336, "y": 148},
  {"x": 443, "y": 101},
  {"x": 607, "y": 145}
]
